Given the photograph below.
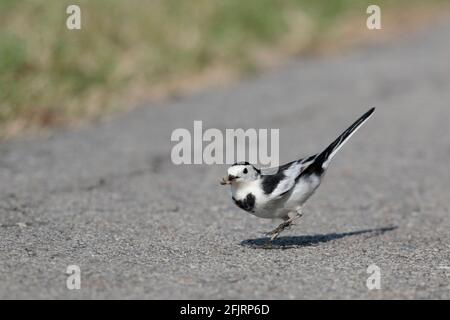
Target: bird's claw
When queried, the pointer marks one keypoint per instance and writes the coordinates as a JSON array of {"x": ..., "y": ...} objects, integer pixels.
[{"x": 276, "y": 232}]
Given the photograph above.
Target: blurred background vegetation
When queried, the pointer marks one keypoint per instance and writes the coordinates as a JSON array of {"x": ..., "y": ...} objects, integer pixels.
[{"x": 131, "y": 50}]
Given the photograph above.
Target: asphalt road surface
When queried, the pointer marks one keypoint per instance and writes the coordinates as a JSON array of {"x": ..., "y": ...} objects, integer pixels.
[{"x": 108, "y": 198}]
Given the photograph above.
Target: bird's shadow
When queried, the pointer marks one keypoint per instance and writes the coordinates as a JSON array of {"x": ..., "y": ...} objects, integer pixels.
[{"x": 310, "y": 240}]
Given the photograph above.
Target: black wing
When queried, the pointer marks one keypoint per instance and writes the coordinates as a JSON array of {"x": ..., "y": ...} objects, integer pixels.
[{"x": 279, "y": 183}]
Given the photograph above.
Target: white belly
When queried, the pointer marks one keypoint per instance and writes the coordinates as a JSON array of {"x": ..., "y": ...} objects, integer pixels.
[{"x": 302, "y": 191}]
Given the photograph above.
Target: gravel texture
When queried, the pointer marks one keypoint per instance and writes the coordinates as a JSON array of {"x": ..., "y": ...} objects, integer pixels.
[{"x": 108, "y": 198}]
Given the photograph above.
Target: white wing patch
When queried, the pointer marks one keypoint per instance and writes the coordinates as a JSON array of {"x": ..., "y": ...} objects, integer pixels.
[{"x": 289, "y": 180}]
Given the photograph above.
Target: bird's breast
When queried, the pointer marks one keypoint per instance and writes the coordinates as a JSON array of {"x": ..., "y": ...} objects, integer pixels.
[
  {"x": 246, "y": 203},
  {"x": 250, "y": 197}
]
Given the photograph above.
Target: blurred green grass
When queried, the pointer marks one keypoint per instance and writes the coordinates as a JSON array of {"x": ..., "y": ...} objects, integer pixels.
[{"x": 53, "y": 76}]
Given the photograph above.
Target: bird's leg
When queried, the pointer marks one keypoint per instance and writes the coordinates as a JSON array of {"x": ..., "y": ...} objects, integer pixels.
[
  {"x": 285, "y": 224},
  {"x": 276, "y": 232}
]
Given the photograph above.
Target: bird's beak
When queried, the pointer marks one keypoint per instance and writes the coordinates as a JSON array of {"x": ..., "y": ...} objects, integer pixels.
[{"x": 227, "y": 180}]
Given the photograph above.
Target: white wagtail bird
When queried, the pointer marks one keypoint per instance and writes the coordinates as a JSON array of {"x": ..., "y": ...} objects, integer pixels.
[{"x": 282, "y": 195}]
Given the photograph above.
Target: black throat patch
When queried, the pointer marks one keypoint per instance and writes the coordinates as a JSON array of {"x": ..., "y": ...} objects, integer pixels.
[{"x": 247, "y": 204}]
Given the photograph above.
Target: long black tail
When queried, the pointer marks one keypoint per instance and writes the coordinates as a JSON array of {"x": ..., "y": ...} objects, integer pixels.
[{"x": 323, "y": 159}]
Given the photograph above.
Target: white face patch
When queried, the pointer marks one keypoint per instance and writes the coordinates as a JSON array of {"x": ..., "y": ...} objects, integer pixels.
[
  {"x": 236, "y": 171},
  {"x": 243, "y": 172}
]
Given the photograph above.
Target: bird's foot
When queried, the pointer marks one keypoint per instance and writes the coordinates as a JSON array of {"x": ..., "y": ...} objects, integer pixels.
[{"x": 276, "y": 232}]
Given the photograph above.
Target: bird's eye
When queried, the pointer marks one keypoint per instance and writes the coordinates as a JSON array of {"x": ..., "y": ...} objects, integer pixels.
[{"x": 245, "y": 170}]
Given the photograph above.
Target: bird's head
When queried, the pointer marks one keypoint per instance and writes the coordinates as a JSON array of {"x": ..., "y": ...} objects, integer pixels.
[{"x": 241, "y": 172}]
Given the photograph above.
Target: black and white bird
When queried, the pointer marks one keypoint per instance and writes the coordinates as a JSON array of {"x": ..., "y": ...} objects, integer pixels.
[{"x": 282, "y": 195}]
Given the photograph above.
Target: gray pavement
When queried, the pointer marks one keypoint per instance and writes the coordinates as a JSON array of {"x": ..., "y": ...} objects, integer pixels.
[{"x": 107, "y": 197}]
